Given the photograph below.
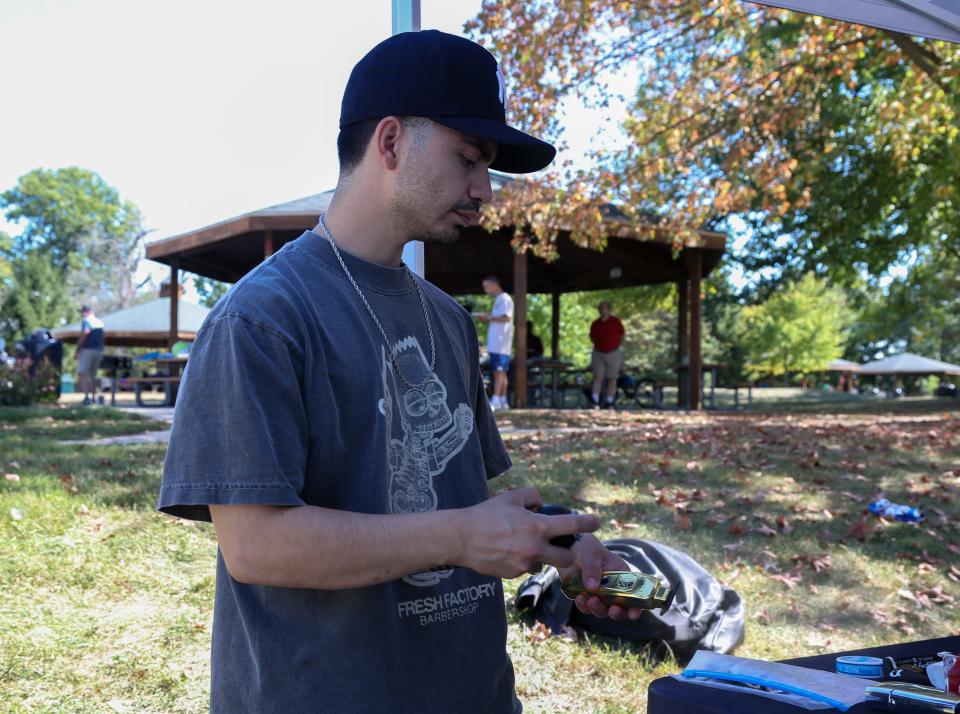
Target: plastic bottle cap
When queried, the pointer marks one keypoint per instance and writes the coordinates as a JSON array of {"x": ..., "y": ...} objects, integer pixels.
[{"x": 860, "y": 666}]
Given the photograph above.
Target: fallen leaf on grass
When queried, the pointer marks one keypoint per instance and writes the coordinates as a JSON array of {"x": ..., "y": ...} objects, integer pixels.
[
  {"x": 905, "y": 627},
  {"x": 538, "y": 634},
  {"x": 681, "y": 521},
  {"x": 936, "y": 595},
  {"x": 861, "y": 529},
  {"x": 764, "y": 529},
  {"x": 819, "y": 564},
  {"x": 907, "y": 595},
  {"x": 817, "y": 641},
  {"x": 568, "y": 634},
  {"x": 791, "y": 580}
]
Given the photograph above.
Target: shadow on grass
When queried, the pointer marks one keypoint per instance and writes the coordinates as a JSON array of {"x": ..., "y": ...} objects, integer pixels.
[
  {"x": 65, "y": 423},
  {"x": 773, "y": 480},
  {"x": 649, "y": 653}
]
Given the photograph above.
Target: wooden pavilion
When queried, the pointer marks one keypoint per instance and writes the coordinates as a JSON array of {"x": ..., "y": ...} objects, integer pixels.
[{"x": 228, "y": 250}]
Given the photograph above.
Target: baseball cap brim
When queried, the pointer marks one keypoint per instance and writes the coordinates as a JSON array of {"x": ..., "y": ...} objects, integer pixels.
[{"x": 517, "y": 153}]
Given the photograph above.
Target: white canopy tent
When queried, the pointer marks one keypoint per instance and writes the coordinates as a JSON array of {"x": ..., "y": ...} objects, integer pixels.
[
  {"x": 936, "y": 19},
  {"x": 909, "y": 364}
]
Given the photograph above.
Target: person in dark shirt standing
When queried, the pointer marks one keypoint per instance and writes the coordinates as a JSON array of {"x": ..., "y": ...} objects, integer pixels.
[
  {"x": 89, "y": 351},
  {"x": 606, "y": 334}
]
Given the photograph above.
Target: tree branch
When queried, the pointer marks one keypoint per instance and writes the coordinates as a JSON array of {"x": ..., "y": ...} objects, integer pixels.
[{"x": 928, "y": 61}]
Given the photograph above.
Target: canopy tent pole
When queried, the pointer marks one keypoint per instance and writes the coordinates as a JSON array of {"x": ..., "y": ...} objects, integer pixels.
[
  {"x": 406, "y": 18},
  {"x": 174, "y": 301},
  {"x": 520, "y": 328}
]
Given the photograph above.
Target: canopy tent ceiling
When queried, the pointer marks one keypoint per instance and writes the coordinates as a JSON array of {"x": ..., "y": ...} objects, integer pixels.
[
  {"x": 907, "y": 363},
  {"x": 936, "y": 19},
  {"x": 143, "y": 325},
  {"x": 228, "y": 250}
]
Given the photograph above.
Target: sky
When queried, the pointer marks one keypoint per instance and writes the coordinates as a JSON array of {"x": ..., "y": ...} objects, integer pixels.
[{"x": 195, "y": 110}]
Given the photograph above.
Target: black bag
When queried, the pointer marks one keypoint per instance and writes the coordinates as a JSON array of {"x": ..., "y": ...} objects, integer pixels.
[{"x": 704, "y": 614}]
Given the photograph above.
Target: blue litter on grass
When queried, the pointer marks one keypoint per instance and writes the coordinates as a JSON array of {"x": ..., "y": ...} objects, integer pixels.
[{"x": 896, "y": 511}]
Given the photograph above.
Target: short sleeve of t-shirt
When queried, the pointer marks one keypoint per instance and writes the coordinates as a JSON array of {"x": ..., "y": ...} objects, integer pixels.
[
  {"x": 240, "y": 428},
  {"x": 495, "y": 458},
  {"x": 503, "y": 305}
]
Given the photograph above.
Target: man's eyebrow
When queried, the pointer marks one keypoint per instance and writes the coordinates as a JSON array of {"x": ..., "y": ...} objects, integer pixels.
[{"x": 483, "y": 148}]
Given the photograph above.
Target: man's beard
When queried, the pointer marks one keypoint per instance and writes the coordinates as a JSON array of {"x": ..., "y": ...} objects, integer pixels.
[{"x": 411, "y": 207}]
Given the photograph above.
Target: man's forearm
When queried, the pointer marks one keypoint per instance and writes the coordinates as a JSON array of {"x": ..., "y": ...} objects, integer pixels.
[{"x": 312, "y": 547}]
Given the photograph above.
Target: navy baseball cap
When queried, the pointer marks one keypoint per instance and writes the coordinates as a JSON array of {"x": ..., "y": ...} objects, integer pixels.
[{"x": 445, "y": 78}]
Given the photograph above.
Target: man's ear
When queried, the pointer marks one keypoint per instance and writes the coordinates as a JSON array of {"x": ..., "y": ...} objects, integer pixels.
[{"x": 386, "y": 138}]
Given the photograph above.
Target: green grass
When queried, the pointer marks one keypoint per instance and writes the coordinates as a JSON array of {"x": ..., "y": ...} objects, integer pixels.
[{"x": 107, "y": 605}]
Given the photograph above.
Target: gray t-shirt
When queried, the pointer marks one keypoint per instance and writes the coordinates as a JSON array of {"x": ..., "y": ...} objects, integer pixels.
[{"x": 290, "y": 397}]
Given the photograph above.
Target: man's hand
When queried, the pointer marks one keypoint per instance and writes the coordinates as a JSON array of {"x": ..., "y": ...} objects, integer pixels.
[
  {"x": 592, "y": 560},
  {"x": 503, "y": 538}
]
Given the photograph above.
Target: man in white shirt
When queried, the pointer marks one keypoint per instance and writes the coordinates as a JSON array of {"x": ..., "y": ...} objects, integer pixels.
[{"x": 499, "y": 339}]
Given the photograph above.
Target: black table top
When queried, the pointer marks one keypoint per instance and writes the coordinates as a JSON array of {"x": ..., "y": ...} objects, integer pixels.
[{"x": 670, "y": 696}]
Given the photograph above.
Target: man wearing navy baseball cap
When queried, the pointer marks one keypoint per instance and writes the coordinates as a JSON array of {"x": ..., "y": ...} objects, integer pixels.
[{"x": 333, "y": 424}]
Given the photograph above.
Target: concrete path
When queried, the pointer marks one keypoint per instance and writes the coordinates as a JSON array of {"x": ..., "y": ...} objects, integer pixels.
[{"x": 161, "y": 436}]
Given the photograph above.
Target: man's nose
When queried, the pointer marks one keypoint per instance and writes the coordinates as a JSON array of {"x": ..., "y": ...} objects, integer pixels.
[{"x": 480, "y": 188}]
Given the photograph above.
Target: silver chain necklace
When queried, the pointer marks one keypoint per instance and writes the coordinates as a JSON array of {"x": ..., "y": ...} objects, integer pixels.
[{"x": 423, "y": 305}]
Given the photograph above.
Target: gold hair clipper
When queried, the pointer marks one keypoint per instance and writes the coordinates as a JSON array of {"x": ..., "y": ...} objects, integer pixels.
[{"x": 625, "y": 588}]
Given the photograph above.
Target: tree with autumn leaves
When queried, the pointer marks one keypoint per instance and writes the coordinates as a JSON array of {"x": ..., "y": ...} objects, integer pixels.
[
  {"x": 836, "y": 145},
  {"x": 741, "y": 109}
]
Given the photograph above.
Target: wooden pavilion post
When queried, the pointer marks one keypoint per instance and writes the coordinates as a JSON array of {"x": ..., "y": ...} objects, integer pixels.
[
  {"x": 174, "y": 301},
  {"x": 520, "y": 328},
  {"x": 696, "y": 360},
  {"x": 268, "y": 246},
  {"x": 683, "y": 341},
  {"x": 555, "y": 324}
]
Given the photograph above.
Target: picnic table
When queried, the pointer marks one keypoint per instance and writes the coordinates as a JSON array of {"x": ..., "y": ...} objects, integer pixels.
[
  {"x": 542, "y": 368},
  {"x": 169, "y": 370},
  {"x": 683, "y": 378}
]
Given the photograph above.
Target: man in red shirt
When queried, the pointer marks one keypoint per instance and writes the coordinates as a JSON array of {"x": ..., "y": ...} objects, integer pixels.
[{"x": 606, "y": 334}]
